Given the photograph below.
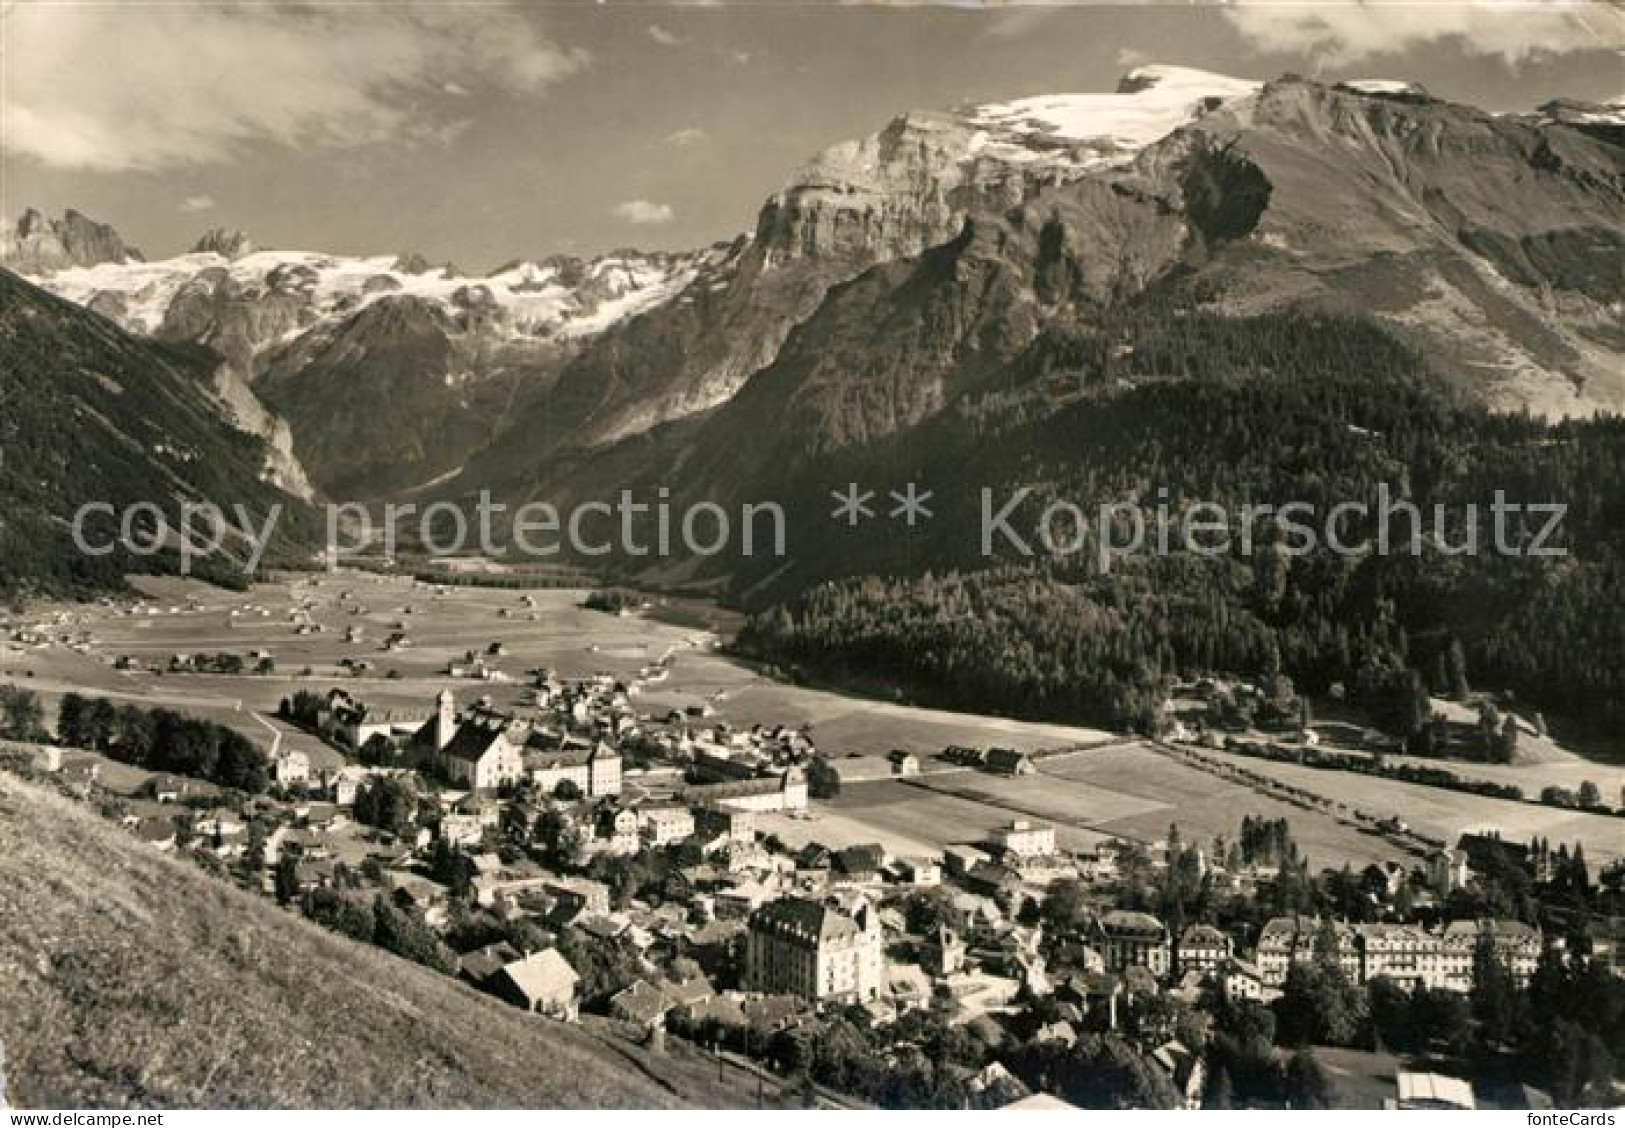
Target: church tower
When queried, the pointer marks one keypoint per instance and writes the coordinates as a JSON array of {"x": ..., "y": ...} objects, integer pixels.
[{"x": 445, "y": 722}]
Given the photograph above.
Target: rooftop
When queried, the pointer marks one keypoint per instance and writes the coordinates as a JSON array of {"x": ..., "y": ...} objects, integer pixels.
[
  {"x": 804, "y": 919},
  {"x": 1435, "y": 1090},
  {"x": 541, "y": 974}
]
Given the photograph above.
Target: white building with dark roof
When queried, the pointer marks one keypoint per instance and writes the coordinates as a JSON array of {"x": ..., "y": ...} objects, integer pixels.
[
  {"x": 1203, "y": 948},
  {"x": 780, "y": 791},
  {"x": 290, "y": 768},
  {"x": 479, "y": 749},
  {"x": 803, "y": 947},
  {"x": 1516, "y": 944},
  {"x": 1021, "y": 838},
  {"x": 1408, "y": 955},
  {"x": 662, "y": 825},
  {"x": 595, "y": 769},
  {"x": 1131, "y": 939},
  {"x": 1288, "y": 940}
]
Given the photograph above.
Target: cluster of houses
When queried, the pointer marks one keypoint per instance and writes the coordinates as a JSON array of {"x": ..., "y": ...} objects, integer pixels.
[
  {"x": 65, "y": 627},
  {"x": 744, "y": 929}
]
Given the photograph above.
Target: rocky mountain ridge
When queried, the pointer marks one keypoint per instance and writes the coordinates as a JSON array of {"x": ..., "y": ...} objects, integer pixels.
[
  {"x": 36, "y": 244},
  {"x": 1483, "y": 241},
  {"x": 266, "y": 312},
  {"x": 894, "y": 272},
  {"x": 891, "y": 195}
]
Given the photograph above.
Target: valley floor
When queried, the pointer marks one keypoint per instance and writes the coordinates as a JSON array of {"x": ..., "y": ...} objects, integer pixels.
[{"x": 1108, "y": 787}]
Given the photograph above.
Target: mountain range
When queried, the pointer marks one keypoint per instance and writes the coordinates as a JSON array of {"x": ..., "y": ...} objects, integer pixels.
[
  {"x": 295, "y": 331},
  {"x": 895, "y": 275},
  {"x": 1193, "y": 288}
]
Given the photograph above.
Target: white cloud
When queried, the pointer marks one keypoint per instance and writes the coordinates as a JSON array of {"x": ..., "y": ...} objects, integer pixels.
[
  {"x": 645, "y": 212},
  {"x": 1337, "y": 34},
  {"x": 154, "y": 86},
  {"x": 1130, "y": 57},
  {"x": 197, "y": 204},
  {"x": 1021, "y": 21},
  {"x": 685, "y": 138},
  {"x": 665, "y": 38}
]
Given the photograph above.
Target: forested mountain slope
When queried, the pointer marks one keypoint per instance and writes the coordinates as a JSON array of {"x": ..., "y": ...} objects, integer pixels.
[{"x": 92, "y": 414}]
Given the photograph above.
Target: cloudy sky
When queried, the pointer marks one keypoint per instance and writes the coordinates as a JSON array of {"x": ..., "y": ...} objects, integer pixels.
[{"x": 480, "y": 131}]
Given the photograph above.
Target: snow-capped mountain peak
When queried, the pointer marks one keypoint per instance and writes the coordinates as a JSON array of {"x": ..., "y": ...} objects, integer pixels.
[
  {"x": 1150, "y": 102},
  {"x": 283, "y": 320},
  {"x": 561, "y": 298},
  {"x": 907, "y": 186},
  {"x": 1390, "y": 87}
]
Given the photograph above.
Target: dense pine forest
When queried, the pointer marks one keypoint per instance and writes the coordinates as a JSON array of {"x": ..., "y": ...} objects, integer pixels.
[{"x": 1169, "y": 408}]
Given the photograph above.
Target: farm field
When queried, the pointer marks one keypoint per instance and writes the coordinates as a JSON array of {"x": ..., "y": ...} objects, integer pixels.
[
  {"x": 443, "y": 624},
  {"x": 1204, "y": 805},
  {"x": 1447, "y": 814},
  {"x": 844, "y": 726},
  {"x": 1541, "y": 760},
  {"x": 837, "y": 827},
  {"x": 1564, "y": 770},
  {"x": 1129, "y": 790},
  {"x": 1103, "y": 789},
  {"x": 929, "y": 819},
  {"x": 1126, "y": 790}
]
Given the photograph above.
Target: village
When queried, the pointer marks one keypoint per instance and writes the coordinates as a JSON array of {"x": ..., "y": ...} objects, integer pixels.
[{"x": 574, "y": 853}]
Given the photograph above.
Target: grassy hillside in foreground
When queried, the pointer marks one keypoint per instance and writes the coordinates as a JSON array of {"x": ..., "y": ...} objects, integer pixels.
[{"x": 128, "y": 978}]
